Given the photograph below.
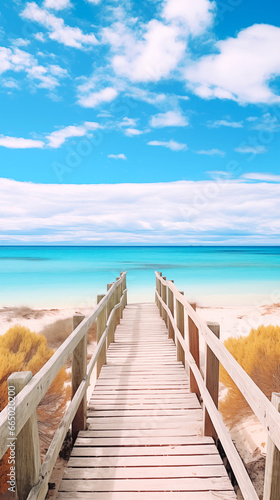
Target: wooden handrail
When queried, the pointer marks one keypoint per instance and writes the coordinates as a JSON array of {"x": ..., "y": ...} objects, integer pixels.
[
  {"x": 262, "y": 407},
  {"x": 30, "y": 396}
]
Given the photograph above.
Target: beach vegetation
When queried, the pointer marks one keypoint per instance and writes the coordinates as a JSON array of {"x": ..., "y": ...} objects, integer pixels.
[
  {"x": 58, "y": 331},
  {"x": 258, "y": 353},
  {"x": 23, "y": 350}
]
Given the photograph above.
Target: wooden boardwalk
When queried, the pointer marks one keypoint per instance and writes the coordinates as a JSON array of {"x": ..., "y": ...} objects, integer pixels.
[{"x": 144, "y": 439}]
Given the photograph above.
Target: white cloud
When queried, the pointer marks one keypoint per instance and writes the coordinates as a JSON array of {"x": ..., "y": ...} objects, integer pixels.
[
  {"x": 40, "y": 36},
  {"x": 57, "y": 4},
  {"x": 120, "y": 156},
  {"x": 184, "y": 212},
  {"x": 225, "y": 123},
  {"x": 93, "y": 99},
  {"x": 168, "y": 119},
  {"x": 256, "y": 150},
  {"x": 129, "y": 126},
  {"x": 58, "y": 30},
  {"x": 133, "y": 132},
  {"x": 15, "y": 59},
  {"x": 20, "y": 42},
  {"x": 149, "y": 52},
  {"x": 257, "y": 176},
  {"x": 58, "y": 71},
  {"x": 173, "y": 145},
  {"x": 19, "y": 143},
  {"x": 129, "y": 122},
  {"x": 54, "y": 140},
  {"x": 196, "y": 16},
  {"x": 266, "y": 122},
  {"x": 211, "y": 152},
  {"x": 146, "y": 96},
  {"x": 94, "y": 1},
  {"x": 147, "y": 56},
  {"x": 58, "y": 137},
  {"x": 10, "y": 83},
  {"x": 243, "y": 68}
]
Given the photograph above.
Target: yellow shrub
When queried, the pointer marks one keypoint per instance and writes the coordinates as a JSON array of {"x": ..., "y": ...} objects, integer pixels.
[
  {"x": 259, "y": 355},
  {"x": 23, "y": 350}
]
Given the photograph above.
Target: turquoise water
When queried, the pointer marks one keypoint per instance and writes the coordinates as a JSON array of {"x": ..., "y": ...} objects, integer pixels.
[{"x": 73, "y": 276}]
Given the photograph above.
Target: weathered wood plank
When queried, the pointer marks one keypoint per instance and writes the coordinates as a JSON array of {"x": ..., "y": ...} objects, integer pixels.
[
  {"x": 145, "y": 422},
  {"x": 198, "y": 447},
  {"x": 145, "y": 461},
  {"x": 191, "y": 428},
  {"x": 132, "y": 441},
  {"x": 189, "y": 471},
  {"x": 151, "y": 495},
  {"x": 178, "y": 484},
  {"x": 138, "y": 413}
]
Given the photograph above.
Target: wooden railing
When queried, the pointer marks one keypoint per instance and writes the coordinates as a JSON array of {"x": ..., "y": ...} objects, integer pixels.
[
  {"x": 185, "y": 327},
  {"x": 32, "y": 476}
]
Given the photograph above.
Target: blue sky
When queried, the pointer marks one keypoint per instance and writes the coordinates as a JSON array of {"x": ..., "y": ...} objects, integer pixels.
[{"x": 104, "y": 92}]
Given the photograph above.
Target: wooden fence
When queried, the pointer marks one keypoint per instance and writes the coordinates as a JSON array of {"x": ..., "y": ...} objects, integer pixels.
[
  {"x": 185, "y": 328},
  {"x": 31, "y": 476}
]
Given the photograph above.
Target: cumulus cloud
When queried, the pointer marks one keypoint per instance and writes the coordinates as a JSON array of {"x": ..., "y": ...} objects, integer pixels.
[
  {"x": 211, "y": 152},
  {"x": 196, "y": 16},
  {"x": 184, "y": 212},
  {"x": 92, "y": 99},
  {"x": 57, "y": 4},
  {"x": 129, "y": 122},
  {"x": 151, "y": 56},
  {"x": 58, "y": 137},
  {"x": 130, "y": 132},
  {"x": 173, "y": 145},
  {"x": 120, "y": 156},
  {"x": 243, "y": 68},
  {"x": 57, "y": 29},
  {"x": 15, "y": 59},
  {"x": 169, "y": 119},
  {"x": 54, "y": 140},
  {"x": 151, "y": 51},
  {"x": 19, "y": 143}
]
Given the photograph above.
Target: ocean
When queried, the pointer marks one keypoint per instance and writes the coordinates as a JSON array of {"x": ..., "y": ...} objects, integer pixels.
[{"x": 73, "y": 276}]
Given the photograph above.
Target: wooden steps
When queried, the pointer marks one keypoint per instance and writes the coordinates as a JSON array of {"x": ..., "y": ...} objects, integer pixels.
[{"x": 144, "y": 439}]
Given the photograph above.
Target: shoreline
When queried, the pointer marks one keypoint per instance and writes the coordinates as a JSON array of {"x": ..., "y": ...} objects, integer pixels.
[{"x": 235, "y": 320}]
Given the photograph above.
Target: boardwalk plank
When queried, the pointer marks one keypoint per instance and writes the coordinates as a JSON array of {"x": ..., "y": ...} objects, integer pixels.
[
  {"x": 144, "y": 440},
  {"x": 178, "y": 484},
  {"x": 174, "y": 495}
]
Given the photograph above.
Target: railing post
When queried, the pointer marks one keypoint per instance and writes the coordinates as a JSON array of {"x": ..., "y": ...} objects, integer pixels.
[
  {"x": 122, "y": 298},
  {"x": 194, "y": 350},
  {"x": 101, "y": 325},
  {"x": 117, "y": 300},
  {"x": 79, "y": 369},
  {"x": 160, "y": 294},
  {"x": 157, "y": 287},
  {"x": 272, "y": 464},
  {"x": 211, "y": 382},
  {"x": 110, "y": 306},
  {"x": 180, "y": 322},
  {"x": 125, "y": 293},
  {"x": 27, "y": 448},
  {"x": 170, "y": 303},
  {"x": 163, "y": 295}
]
